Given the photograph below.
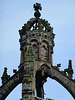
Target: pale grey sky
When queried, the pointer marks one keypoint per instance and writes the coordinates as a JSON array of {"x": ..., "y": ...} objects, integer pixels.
[{"x": 61, "y": 15}]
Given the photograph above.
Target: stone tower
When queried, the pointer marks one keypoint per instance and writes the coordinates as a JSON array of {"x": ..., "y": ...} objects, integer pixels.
[
  {"x": 36, "y": 45},
  {"x": 36, "y": 64}
]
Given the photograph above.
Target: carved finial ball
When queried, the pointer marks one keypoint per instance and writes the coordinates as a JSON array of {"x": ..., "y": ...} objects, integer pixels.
[{"x": 5, "y": 68}]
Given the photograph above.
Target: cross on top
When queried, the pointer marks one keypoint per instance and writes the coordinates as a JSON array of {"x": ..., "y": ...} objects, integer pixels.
[{"x": 37, "y": 7}]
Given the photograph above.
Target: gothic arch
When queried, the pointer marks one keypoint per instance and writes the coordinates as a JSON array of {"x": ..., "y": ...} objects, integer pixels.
[
  {"x": 33, "y": 40},
  {"x": 45, "y": 42},
  {"x": 66, "y": 82},
  {"x": 51, "y": 72}
]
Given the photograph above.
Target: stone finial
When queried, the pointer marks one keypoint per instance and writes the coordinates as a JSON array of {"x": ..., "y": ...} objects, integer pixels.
[
  {"x": 37, "y": 7},
  {"x": 70, "y": 64},
  {"x": 5, "y": 76},
  {"x": 69, "y": 70}
]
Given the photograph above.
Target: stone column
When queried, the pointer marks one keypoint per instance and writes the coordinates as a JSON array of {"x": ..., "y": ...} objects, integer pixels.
[
  {"x": 28, "y": 87},
  {"x": 28, "y": 82},
  {"x": 70, "y": 70}
]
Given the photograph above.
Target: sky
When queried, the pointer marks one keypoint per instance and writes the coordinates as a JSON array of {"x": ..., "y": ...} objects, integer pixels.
[{"x": 61, "y": 16}]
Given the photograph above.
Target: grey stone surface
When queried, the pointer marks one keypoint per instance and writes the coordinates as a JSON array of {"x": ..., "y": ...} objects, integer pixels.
[{"x": 36, "y": 45}]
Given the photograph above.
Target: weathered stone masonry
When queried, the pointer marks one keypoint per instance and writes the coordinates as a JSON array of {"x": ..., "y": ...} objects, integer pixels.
[{"x": 36, "y": 45}]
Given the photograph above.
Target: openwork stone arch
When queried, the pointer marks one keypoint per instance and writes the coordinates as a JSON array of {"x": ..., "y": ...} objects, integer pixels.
[
  {"x": 51, "y": 72},
  {"x": 42, "y": 23}
]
